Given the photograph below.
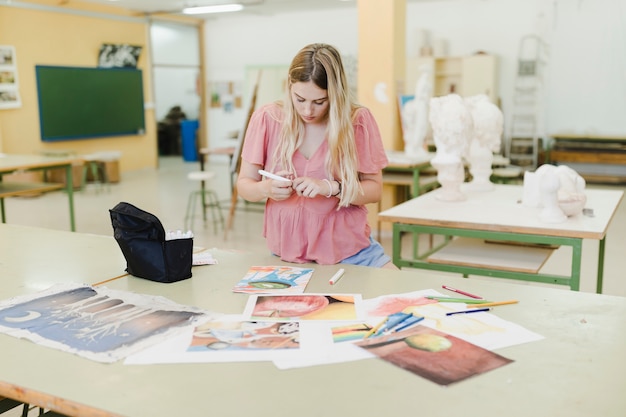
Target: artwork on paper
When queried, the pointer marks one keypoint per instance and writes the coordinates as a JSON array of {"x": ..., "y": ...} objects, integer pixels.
[
  {"x": 434, "y": 355},
  {"x": 226, "y": 95},
  {"x": 8, "y": 77},
  {"x": 303, "y": 307},
  {"x": 244, "y": 336},
  {"x": 350, "y": 332},
  {"x": 7, "y": 55},
  {"x": 10, "y": 99},
  {"x": 274, "y": 279},
  {"x": 485, "y": 330},
  {"x": 118, "y": 55},
  {"x": 9, "y": 91},
  {"x": 386, "y": 305},
  {"x": 95, "y": 323}
]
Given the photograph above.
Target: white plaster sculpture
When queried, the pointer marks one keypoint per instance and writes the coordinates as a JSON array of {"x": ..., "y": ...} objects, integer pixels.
[
  {"x": 451, "y": 122},
  {"x": 488, "y": 123},
  {"x": 559, "y": 190},
  {"x": 415, "y": 116}
]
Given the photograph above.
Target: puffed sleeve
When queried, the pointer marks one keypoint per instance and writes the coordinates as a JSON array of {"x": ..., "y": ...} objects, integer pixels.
[
  {"x": 262, "y": 134},
  {"x": 369, "y": 144}
]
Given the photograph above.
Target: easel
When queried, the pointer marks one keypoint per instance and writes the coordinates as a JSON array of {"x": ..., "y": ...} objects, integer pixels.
[{"x": 235, "y": 164}]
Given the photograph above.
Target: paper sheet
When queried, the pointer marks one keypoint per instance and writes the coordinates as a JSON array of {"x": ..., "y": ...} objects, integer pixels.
[{"x": 95, "y": 322}]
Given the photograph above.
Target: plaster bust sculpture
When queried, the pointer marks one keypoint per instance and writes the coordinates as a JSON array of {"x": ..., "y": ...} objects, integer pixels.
[
  {"x": 559, "y": 190},
  {"x": 415, "y": 115},
  {"x": 452, "y": 127},
  {"x": 488, "y": 124}
]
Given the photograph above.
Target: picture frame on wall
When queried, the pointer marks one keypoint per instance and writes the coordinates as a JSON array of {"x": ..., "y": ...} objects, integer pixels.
[
  {"x": 9, "y": 88},
  {"x": 118, "y": 55}
]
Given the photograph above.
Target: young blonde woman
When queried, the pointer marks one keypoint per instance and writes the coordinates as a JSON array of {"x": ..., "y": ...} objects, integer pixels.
[{"x": 330, "y": 151}]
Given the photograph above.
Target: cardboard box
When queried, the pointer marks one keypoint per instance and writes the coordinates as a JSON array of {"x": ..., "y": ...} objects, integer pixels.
[
  {"x": 58, "y": 175},
  {"x": 112, "y": 169}
]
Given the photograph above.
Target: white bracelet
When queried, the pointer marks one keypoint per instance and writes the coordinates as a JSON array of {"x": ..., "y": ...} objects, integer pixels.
[{"x": 330, "y": 188}]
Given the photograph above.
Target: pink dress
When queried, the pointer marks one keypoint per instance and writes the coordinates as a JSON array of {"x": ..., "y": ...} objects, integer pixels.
[{"x": 302, "y": 229}]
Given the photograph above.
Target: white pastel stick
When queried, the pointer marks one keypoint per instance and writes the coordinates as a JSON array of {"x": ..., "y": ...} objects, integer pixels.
[
  {"x": 336, "y": 277},
  {"x": 272, "y": 176}
]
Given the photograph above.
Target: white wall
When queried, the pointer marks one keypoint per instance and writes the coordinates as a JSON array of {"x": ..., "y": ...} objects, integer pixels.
[
  {"x": 585, "y": 75},
  {"x": 235, "y": 43},
  {"x": 587, "y": 79},
  {"x": 175, "y": 66}
]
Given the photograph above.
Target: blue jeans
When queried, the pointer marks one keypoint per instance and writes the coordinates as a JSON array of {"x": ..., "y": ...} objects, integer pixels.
[{"x": 373, "y": 255}]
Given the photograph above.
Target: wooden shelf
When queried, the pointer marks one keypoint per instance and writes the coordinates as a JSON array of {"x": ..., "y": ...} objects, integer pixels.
[
  {"x": 591, "y": 157},
  {"x": 12, "y": 189},
  {"x": 464, "y": 75},
  {"x": 481, "y": 254}
]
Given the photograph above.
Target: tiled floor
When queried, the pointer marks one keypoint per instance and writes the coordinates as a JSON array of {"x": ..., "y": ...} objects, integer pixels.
[{"x": 164, "y": 192}]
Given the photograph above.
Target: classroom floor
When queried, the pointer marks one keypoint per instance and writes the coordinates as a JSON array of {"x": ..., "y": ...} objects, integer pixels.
[{"x": 164, "y": 192}]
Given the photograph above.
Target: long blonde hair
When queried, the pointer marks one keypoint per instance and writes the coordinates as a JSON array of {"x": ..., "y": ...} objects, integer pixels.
[{"x": 321, "y": 64}]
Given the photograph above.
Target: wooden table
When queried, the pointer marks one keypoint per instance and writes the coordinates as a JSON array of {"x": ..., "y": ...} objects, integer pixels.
[
  {"x": 577, "y": 370},
  {"x": 405, "y": 170},
  {"x": 499, "y": 216},
  {"x": 16, "y": 163}
]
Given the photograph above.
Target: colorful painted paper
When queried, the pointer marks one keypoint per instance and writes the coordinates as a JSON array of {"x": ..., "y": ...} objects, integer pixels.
[
  {"x": 274, "y": 279},
  {"x": 434, "y": 355},
  {"x": 321, "y": 307},
  {"x": 96, "y": 323},
  {"x": 244, "y": 336}
]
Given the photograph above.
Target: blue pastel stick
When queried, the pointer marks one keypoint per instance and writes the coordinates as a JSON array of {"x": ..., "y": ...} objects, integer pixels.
[{"x": 410, "y": 322}]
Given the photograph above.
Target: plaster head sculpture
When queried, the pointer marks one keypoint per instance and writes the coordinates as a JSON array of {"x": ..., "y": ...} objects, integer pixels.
[
  {"x": 559, "y": 190},
  {"x": 415, "y": 115},
  {"x": 452, "y": 126},
  {"x": 488, "y": 123}
]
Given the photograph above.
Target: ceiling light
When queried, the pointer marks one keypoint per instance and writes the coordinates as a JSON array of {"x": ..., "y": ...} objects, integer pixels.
[{"x": 222, "y": 8}]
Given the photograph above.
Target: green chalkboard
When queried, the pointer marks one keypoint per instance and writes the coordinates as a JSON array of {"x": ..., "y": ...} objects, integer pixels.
[{"x": 78, "y": 102}]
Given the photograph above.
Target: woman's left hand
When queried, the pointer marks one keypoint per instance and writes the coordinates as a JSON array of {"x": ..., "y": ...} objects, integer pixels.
[{"x": 310, "y": 187}]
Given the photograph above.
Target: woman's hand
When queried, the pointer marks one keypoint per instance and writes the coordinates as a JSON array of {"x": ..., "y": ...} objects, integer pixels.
[
  {"x": 311, "y": 187},
  {"x": 278, "y": 189},
  {"x": 253, "y": 187}
]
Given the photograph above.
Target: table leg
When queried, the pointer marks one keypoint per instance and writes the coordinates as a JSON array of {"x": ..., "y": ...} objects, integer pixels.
[
  {"x": 577, "y": 250},
  {"x": 69, "y": 186},
  {"x": 600, "y": 275},
  {"x": 396, "y": 245},
  {"x": 415, "y": 190}
]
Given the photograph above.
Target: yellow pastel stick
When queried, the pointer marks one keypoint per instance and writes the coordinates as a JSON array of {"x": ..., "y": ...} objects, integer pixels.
[
  {"x": 375, "y": 328},
  {"x": 495, "y": 303}
]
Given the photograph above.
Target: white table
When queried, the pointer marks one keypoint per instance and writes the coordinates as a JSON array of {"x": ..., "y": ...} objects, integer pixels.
[
  {"x": 499, "y": 215},
  {"x": 576, "y": 371}
]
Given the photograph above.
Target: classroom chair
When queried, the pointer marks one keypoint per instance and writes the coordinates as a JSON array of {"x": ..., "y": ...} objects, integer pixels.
[{"x": 208, "y": 200}]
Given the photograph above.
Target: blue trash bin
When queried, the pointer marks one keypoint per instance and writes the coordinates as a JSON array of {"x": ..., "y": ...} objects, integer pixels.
[{"x": 188, "y": 134}]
